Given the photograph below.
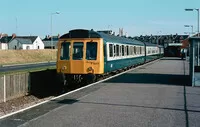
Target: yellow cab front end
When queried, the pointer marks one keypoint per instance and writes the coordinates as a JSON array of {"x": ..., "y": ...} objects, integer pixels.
[{"x": 80, "y": 56}]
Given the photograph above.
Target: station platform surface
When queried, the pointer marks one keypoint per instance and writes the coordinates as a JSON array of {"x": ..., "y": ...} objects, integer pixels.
[{"x": 154, "y": 95}]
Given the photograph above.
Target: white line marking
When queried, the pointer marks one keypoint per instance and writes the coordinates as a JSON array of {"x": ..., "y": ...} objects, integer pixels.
[{"x": 7, "y": 115}]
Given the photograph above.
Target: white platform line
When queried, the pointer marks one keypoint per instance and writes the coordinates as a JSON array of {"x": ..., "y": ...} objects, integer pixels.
[{"x": 10, "y": 114}]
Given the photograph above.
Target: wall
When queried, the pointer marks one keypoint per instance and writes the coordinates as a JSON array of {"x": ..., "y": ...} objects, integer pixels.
[
  {"x": 40, "y": 84},
  {"x": 38, "y": 42},
  {"x": 50, "y": 45},
  {"x": 13, "y": 86},
  {"x": 3, "y": 46},
  {"x": 14, "y": 43},
  {"x": 24, "y": 46}
]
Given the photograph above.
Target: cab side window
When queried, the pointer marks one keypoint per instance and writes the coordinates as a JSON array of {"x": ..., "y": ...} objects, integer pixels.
[
  {"x": 65, "y": 51},
  {"x": 91, "y": 51}
]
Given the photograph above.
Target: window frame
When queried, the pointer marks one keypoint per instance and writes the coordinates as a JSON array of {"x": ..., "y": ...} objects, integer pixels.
[
  {"x": 61, "y": 51},
  {"x": 110, "y": 46},
  {"x": 82, "y": 57},
  {"x": 90, "y": 52}
]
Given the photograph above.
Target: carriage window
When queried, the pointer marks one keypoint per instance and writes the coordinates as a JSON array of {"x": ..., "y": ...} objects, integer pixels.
[
  {"x": 149, "y": 51},
  {"x": 65, "y": 51},
  {"x": 131, "y": 50},
  {"x": 122, "y": 50},
  {"x": 140, "y": 50},
  {"x": 143, "y": 50},
  {"x": 110, "y": 50},
  {"x": 78, "y": 51},
  {"x": 117, "y": 46},
  {"x": 153, "y": 51},
  {"x": 91, "y": 51},
  {"x": 114, "y": 50},
  {"x": 127, "y": 49},
  {"x": 134, "y": 49}
]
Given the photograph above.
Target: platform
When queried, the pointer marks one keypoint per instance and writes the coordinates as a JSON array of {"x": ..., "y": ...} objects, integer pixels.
[{"x": 156, "y": 94}]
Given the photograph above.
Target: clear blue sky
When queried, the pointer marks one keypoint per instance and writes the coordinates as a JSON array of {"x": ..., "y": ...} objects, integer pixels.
[{"x": 135, "y": 16}]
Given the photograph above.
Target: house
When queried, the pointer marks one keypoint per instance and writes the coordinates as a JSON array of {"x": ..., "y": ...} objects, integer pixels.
[
  {"x": 4, "y": 40},
  {"x": 185, "y": 42},
  {"x": 26, "y": 42},
  {"x": 51, "y": 43}
]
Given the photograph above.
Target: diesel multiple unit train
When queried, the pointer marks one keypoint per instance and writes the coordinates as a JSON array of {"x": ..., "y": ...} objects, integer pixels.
[{"x": 84, "y": 55}]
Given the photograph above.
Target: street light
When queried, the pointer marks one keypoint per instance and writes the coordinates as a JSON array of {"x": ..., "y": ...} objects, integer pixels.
[
  {"x": 55, "y": 13},
  {"x": 197, "y": 9},
  {"x": 189, "y": 26},
  {"x": 187, "y": 33}
]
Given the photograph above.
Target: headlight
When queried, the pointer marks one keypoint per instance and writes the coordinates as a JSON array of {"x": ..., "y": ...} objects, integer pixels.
[
  {"x": 89, "y": 69},
  {"x": 63, "y": 68}
]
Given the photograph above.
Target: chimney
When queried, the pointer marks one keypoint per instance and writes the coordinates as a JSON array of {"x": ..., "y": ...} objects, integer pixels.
[{"x": 13, "y": 35}]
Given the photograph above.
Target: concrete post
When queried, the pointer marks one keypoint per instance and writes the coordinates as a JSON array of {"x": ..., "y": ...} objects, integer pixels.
[
  {"x": 192, "y": 48},
  {"x": 4, "y": 88}
]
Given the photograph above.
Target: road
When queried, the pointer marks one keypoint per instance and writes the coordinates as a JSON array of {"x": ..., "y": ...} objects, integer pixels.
[{"x": 26, "y": 66}]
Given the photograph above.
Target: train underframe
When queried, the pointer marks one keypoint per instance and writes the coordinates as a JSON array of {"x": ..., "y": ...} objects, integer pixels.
[
  {"x": 83, "y": 79},
  {"x": 77, "y": 79}
]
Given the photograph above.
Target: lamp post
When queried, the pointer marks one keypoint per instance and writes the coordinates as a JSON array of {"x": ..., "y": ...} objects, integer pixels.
[
  {"x": 16, "y": 26},
  {"x": 55, "y": 13},
  {"x": 197, "y": 9},
  {"x": 189, "y": 26},
  {"x": 187, "y": 33}
]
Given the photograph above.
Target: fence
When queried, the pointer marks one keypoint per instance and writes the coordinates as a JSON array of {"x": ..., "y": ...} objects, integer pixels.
[{"x": 13, "y": 86}]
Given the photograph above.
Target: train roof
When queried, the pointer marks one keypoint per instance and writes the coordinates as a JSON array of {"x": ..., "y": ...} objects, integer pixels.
[
  {"x": 81, "y": 33},
  {"x": 150, "y": 44}
]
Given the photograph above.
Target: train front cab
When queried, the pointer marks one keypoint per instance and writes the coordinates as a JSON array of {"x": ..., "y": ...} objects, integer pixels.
[{"x": 80, "y": 57}]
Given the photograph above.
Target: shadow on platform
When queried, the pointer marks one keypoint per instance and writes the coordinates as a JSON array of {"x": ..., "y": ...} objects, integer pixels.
[
  {"x": 146, "y": 78},
  {"x": 68, "y": 101},
  {"x": 138, "y": 106},
  {"x": 171, "y": 58}
]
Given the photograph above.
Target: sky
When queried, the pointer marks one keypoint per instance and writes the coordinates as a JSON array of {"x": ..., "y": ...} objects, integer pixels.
[{"x": 136, "y": 17}]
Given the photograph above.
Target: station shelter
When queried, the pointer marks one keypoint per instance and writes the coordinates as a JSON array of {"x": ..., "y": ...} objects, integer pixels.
[{"x": 193, "y": 44}]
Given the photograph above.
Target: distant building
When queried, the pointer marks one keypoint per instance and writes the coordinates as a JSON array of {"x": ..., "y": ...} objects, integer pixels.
[
  {"x": 185, "y": 42},
  {"x": 4, "y": 40},
  {"x": 106, "y": 31},
  {"x": 51, "y": 43},
  {"x": 26, "y": 43},
  {"x": 171, "y": 43}
]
